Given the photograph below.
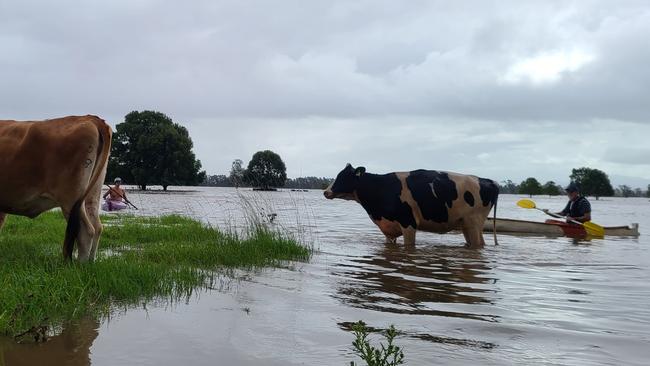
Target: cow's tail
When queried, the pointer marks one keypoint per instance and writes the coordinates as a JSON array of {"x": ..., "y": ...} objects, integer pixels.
[
  {"x": 494, "y": 220},
  {"x": 72, "y": 230},
  {"x": 75, "y": 216}
]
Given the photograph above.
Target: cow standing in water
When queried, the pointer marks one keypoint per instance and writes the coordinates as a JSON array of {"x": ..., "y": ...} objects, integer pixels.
[
  {"x": 402, "y": 203},
  {"x": 56, "y": 163}
]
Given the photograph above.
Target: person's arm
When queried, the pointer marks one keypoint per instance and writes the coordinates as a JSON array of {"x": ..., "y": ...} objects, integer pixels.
[
  {"x": 584, "y": 218},
  {"x": 107, "y": 193},
  {"x": 585, "y": 209}
]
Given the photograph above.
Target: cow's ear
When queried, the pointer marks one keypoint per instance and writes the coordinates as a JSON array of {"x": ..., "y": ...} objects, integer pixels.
[{"x": 359, "y": 171}]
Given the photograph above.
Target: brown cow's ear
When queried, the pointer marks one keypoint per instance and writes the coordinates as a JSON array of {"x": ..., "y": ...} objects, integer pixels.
[{"x": 359, "y": 171}]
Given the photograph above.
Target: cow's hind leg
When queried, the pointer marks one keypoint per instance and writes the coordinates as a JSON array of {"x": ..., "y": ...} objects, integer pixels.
[
  {"x": 3, "y": 216},
  {"x": 409, "y": 236},
  {"x": 473, "y": 232},
  {"x": 85, "y": 238},
  {"x": 92, "y": 212},
  {"x": 94, "y": 225}
]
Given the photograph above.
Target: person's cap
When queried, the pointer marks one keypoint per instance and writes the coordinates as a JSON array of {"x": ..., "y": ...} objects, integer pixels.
[
  {"x": 572, "y": 187},
  {"x": 118, "y": 180}
]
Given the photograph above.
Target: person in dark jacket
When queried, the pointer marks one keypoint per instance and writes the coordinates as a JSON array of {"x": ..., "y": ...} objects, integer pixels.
[{"x": 578, "y": 208}]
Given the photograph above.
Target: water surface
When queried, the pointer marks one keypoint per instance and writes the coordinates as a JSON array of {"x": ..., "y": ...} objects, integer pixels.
[{"x": 530, "y": 300}]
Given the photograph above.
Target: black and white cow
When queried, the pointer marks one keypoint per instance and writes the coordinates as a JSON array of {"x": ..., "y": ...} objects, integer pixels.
[{"x": 403, "y": 202}]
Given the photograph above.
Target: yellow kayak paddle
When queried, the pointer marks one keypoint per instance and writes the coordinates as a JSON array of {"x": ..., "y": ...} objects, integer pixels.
[{"x": 591, "y": 228}]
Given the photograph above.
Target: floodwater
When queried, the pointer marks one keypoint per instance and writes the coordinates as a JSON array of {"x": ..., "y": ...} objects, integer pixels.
[{"x": 530, "y": 300}]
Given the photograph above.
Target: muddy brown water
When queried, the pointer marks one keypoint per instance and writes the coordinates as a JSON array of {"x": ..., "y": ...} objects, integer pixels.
[{"x": 530, "y": 300}]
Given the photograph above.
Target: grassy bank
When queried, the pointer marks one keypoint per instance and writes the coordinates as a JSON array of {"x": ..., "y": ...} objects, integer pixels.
[{"x": 140, "y": 259}]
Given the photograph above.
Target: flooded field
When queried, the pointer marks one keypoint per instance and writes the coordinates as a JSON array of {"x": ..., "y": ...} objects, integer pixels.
[{"x": 530, "y": 300}]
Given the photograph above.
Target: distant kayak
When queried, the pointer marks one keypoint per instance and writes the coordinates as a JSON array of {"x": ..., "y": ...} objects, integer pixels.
[
  {"x": 555, "y": 228},
  {"x": 110, "y": 205}
]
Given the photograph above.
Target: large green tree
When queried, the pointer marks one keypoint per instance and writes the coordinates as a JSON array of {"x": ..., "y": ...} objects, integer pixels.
[
  {"x": 592, "y": 182},
  {"x": 266, "y": 170},
  {"x": 149, "y": 148},
  {"x": 530, "y": 187},
  {"x": 551, "y": 188}
]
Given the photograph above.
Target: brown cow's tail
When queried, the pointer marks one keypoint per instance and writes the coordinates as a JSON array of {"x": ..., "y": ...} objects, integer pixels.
[
  {"x": 72, "y": 230},
  {"x": 74, "y": 218}
]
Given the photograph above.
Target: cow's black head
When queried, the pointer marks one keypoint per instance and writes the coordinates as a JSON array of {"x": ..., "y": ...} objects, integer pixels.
[{"x": 345, "y": 183}]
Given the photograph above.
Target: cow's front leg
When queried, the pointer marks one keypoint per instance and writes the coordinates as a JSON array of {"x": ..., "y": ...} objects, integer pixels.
[
  {"x": 2, "y": 218},
  {"x": 409, "y": 236}
]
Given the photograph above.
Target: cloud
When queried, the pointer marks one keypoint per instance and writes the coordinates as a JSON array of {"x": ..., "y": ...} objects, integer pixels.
[
  {"x": 495, "y": 88},
  {"x": 548, "y": 67}
]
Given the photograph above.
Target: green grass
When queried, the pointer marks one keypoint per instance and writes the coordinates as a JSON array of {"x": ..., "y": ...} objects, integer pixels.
[{"x": 140, "y": 259}]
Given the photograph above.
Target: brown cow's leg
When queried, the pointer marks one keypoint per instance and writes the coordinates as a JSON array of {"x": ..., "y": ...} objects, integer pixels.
[
  {"x": 86, "y": 236},
  {"x": 409, "y": 236},
  {"x": 2, "y": 218},
  {"x": 91, "y": 227},
  {"x": 92, "y": 211}
]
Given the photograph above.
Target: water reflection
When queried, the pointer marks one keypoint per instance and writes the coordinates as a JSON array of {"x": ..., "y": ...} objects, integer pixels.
[
  {"x": 70, "y": 347},
  {"x": 418, "y": 281}
]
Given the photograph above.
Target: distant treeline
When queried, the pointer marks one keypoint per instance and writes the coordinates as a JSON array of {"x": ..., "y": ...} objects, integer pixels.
[
  {"x": 221, "y": 180},
  {"x": 592, "y": 182}
]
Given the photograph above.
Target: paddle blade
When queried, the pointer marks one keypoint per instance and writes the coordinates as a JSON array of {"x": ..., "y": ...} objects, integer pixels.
[
  {"x": 594, "y": 229},
  {"x": 526, "y": 203}
]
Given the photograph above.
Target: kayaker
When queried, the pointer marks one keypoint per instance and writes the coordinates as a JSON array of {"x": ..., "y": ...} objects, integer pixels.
[
  {"x": 578, "y": 208},
  {"x": 116, "y": 192}
]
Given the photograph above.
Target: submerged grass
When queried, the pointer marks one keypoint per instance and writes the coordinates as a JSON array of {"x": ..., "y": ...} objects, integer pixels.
[{"x": 140, "y": 259}]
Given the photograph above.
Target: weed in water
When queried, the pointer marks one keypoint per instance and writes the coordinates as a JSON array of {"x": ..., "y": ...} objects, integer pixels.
[{"x": 389, "y": 355}]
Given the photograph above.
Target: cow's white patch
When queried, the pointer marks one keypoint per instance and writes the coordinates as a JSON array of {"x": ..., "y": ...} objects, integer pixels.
[{"x": 433, "y": 189}]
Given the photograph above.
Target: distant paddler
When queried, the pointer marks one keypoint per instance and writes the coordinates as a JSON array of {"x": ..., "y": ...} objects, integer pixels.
[
  {"x": 115, "y": 198},
  {"x": 578, "y": 208}
]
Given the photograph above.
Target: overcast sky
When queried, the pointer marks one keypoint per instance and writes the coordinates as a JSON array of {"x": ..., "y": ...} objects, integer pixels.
[{"x": 500, "y": 89}]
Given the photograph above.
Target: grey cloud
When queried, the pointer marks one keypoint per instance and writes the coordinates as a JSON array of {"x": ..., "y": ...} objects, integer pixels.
[{"x": 390, "y": 84}]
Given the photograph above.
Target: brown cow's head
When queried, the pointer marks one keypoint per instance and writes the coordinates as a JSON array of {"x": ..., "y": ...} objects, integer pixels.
[{"x": 345, "y": 183}]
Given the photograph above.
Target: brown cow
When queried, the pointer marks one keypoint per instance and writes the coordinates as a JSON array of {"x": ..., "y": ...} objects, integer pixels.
[{"x": 56, "y": 163}]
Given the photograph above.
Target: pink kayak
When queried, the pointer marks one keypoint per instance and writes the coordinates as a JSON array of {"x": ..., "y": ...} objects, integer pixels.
[{"x": 110, "y": 205}]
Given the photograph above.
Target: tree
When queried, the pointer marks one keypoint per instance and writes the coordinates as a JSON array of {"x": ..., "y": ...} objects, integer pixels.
[
  {"x": 626, "y": 191},
  {"x": 551, "y": 188},
  {"x": 592, "y": 182},
  {"x": 508, "y": 187},
  {"x": 266, "y": 170},
  {"x": 308, "y": 183},
  {"x": 218, "y": 180},
  {"x": 237, "y": 173},
  {"x": 149, "y": 148},
  {"x": 530, "y": 187},
  {"x": 647, "y": 193}
]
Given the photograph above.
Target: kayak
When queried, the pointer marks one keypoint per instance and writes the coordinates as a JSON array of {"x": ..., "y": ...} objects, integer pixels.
[
  {"x": 554, "y": 228},
  {"x": 110, "y": 205}
]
